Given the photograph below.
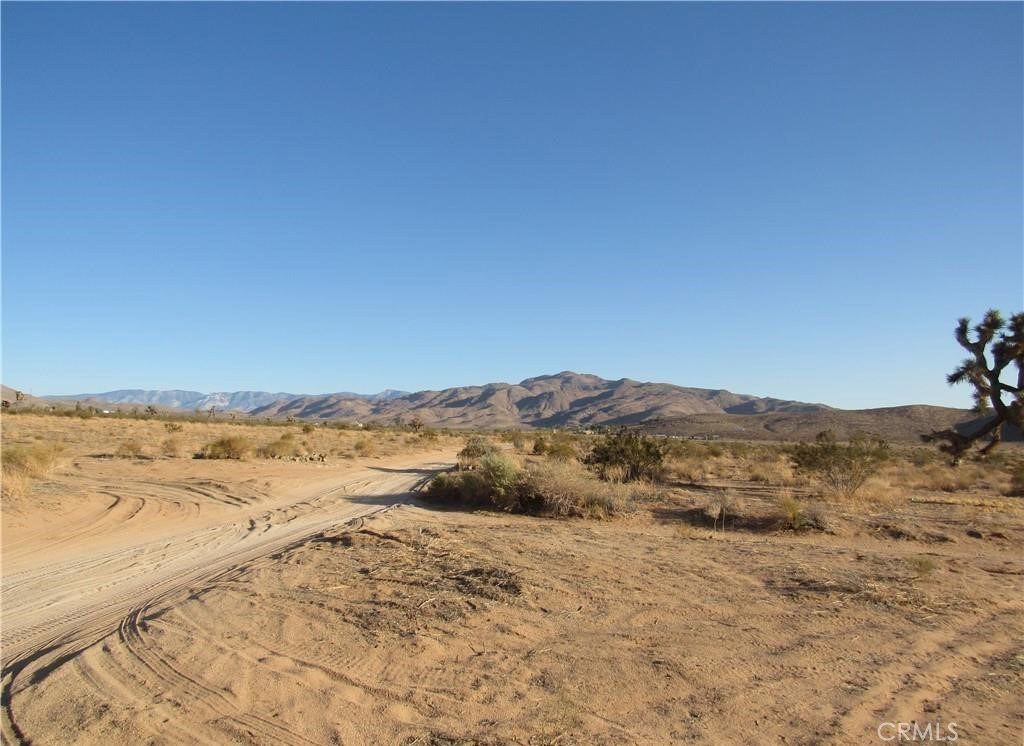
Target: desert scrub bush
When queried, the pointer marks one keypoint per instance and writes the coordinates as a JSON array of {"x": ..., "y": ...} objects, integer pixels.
[
  {"x": 130, "y": 448},
  {"x": 284, "y": 447},
  {"x": 308, "y": 428},
  {"x": 555, "y": 488},
  {"x": 641, "y": 456},
  {"x": 230, "y": 447},
  {"x": 22, "y": 464},
  {"x": 363, "y": 447},
  {"x": 561, "y": 448},
  {"x": 566, "y": 488},
  {"x": 775, "y": 472},
  {"x": 173, "y": 427},
  {"x": 171, "y": 447},
  {"x": 688, "y": 469},
  {"x": 842, "y": 467},
  {"x": 475, "y": 449},
  {"x": 796, "y": 515},
  {"x": 540, "y": 445}
]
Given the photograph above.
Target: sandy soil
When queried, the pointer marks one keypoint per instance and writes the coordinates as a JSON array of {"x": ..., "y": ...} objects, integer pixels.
[{"x": 264, "y": 603}]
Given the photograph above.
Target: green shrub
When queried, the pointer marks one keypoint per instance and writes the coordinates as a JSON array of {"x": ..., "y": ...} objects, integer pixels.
[
  {"x": 231, "y": 447},
  {"x": 475, "y": 449},
  {"x": 640, "y": 456},
  {"x": 501, "y": 476},
  {"x": 842, "y": 467},
  {"x": 540, "y": 445}
]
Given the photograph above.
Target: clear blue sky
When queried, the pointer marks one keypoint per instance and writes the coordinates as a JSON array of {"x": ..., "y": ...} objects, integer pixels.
[{"x": 789, "y": 200}]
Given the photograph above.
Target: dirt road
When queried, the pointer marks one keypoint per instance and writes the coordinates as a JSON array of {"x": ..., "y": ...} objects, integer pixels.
[{"x": 66, "y": 588}]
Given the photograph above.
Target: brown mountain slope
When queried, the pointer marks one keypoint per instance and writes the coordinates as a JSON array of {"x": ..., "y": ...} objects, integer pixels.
[
  {"x": 545, "y": 401},
  {"x": 897, "y": 424}
]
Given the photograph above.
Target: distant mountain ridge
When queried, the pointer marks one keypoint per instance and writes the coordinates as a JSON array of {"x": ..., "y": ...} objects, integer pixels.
[
  {"x": 224, "y": 401},
  {"x": 563, "y": 399}
]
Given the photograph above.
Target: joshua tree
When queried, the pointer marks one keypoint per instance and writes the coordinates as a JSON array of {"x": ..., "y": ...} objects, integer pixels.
[{"x": 1001, "y": 342}]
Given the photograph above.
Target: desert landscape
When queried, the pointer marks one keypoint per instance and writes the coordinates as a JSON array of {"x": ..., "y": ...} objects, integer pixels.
[
  {"x": 511, "y": 373},
  {"x": 152, "y": 597}
]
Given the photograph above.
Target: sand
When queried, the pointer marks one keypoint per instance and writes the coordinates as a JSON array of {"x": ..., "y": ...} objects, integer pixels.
[{"x": 181, "y": 602}]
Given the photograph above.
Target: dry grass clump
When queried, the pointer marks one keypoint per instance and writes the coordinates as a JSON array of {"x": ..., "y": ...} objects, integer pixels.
[
  {"x": 130, "y": 448},
  {"x": 22, "y": 464},
  {"x": 230, "y": 447},
  {"x": 796, "y": 515},
  {"x": 283, "y": 447},
  {"x": 565, "y": 488},
  {"x": 171, "y": 447},
  {"x": 364, "y": 447}
]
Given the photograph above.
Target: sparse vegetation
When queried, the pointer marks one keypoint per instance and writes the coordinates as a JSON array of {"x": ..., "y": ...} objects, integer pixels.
[
  {"x": 475, "y": 449},
  {"x": 283, "y": 447},
  {"x": 22, "y": 464},
  {"x": 130, "y": 448},
  {"x": 171, "y": 447},
  {"x": 230, "y": 447},
  {"x": 842, "y": 467},
  {"x": 548, "y": 487},
  {"x": 636, "y": 456}
]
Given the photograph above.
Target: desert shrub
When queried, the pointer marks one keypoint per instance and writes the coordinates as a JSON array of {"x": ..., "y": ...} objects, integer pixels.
[
  {"x": 475, "y": 449},
  {"x": 501, "y": 477},
  {"x": 687, "y": 469},
  {"x": 22, "y": 464},
  {"x": 540, "y": 445},
  {"x": 561, "y": 448},
  {"x": 231, "y": 447},
  {"x": 557, "y": 488},
  {"x": 363, "y": 447},
  {"x": 308, "y": 428},
  {"x": 171, "y": 447},
  {"x": 283, "y": 447},
  {"x": 427, "y": 435},
  {"x": 130, "y": 448},
  {"x": 565, "y": 488},
  {"x": 641, "y": 456},
  {"x": 842, "y": 467},
  {"x": 774, "y": 472},
  {"x": 792, "y": 512},
  {"x": 173, "y": 427}
]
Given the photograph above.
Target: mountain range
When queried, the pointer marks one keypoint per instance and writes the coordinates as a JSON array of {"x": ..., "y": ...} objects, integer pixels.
[
  {"x": 565, "y": 399},
  {"x": 223, "y": 401}
]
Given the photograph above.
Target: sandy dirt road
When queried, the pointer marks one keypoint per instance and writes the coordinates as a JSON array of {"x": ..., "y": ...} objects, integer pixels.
[{"x": 67, "y": 587}]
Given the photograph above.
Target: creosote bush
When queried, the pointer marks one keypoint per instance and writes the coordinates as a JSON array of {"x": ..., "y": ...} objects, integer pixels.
[
  {"x": 635, "y": 456},
  {"x": 556, "y": 488},
  {"x": 475, "y": 449},
  {"x": 842, "y": 467}
]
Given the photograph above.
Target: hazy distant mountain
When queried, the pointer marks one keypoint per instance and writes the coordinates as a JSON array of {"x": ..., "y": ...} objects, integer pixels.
[
  {"x": 545, "y": 401},
  {"x": 904, "y": 424},
  {"x": 224, "y": 401}
]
